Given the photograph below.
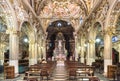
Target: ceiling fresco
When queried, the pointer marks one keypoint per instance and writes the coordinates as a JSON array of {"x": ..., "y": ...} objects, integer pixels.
[{"x": 61, "y": 10}]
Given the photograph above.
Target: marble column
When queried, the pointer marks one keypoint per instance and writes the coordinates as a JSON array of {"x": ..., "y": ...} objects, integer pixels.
[
  {"x": 2, "y": 48},
  {"x": 39, "y": 53},
  {"x": 88, "y": 60},
  {"x": 119, "y": 52},
  {"x": 82, "y": 50},
  {"x": 44, "y": 49},
  {"x": 14, "y": 50},
  {"x": 76, "y": 52},
  {"x": 91, "y": 51},
  {"x": 36, "y": 52},
  {"x": 107, "y": 51},
  {"x": 33, "y": 53}
]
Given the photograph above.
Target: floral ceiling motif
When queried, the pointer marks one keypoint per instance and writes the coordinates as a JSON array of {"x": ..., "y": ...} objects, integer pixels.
[{"x": 61, "y": 9}]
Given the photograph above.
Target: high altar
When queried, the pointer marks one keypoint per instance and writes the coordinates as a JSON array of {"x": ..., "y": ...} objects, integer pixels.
[{"x": 60, "y": 51}]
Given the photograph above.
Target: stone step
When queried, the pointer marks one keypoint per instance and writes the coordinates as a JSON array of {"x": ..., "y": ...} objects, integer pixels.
[
  {"x": 60, "y": 74},
  {"x": 59, "y": 79}
]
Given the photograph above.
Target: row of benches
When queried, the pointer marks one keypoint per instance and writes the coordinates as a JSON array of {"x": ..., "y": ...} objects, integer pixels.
[
  {"x": 73, "y": 69},
  {"x": 79, "y": 69},
  {"x": 43, "y": 69}
]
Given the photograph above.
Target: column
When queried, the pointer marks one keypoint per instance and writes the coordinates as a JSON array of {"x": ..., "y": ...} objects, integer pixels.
[
  {"x": 76, "y": 49},
  {"x": 119, "y": 52},
  {"x": 91, "y": 51},
  {"x": 33, "y": 53},
  {"x": 82, "y": 50},
  {"x": 2, "y": 51},
  {"x": 14, "y": 50},
  {"x": 107, "y": 51},
  {"x": 39, "y": 52},
  {"x": 36, "y": 52},
  {"x": 88, "y": 60},
  {"x": 44, "y": 49}
]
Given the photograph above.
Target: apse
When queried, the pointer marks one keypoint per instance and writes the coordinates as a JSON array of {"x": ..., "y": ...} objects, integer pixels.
[{"x": 53, "y": 30}]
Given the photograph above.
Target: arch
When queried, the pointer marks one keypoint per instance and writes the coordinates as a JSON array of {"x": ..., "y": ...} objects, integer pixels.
[
  {"x": 67, "y": 32},
  {"x": 13, "y": 17},
  {"x": 28, "y": 27},
  {"x": 51, "y": 21},
  {"x": 61, "y": 20},
  {"x": 98, "y": 38},
  {"x": 97, "y": 27},
  {"x": 4, "y": 38},
  {"x": 27, "y": 22},
  {"x": 9, "y": 15},
  {"x": 4, "y": 41},
  {"x": 100, "y": 22},
  {"x": 27, "y": 37},
  {"x": 3, "y": 23},
  {"x": 117, "y": 30},
  {"x": 54, "y": 29},
  {"x": 2, "y": 15},
  {"x": 118, "y": 20}
]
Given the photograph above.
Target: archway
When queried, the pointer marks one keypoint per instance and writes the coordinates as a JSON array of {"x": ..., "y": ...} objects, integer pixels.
[
  {"x": 4, "y": 40},
  {"x": 115, "y": 43},
  {"x": 64, "y": 29},
  {"x": 98, "y": 40},
  {"x": 24, "y": 41},
  {"x": 98, "y": 47},
  {"x": 4, "y": 44}
]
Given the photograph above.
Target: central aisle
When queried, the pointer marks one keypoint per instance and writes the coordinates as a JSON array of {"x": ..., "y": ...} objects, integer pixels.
[{"x": 60, "y": 72}]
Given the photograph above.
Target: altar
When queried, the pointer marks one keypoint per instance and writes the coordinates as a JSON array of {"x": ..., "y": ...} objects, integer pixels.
[
  {"x": 60, "y": 51},
  {"x": 61, "y": 57},
  {"x": 60, "y": 63}
]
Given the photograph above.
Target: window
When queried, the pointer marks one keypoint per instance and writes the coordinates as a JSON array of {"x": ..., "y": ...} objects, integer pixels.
[
  {"x": 114, "y": 39},
  {"x": 59, "y": 24}
]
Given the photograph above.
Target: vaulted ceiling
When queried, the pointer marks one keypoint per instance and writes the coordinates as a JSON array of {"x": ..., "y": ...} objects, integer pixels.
[{"x": 48, "y": 11}]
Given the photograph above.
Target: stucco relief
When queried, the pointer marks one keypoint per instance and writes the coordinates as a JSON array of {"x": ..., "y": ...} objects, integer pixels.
[{"x": 60, "y": 9}]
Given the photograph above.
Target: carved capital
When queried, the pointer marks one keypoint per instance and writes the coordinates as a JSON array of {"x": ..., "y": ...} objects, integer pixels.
[
  {"x": 9, "y": 30},
  {"x": 110, "y": 31},
  {"x": 32, "y": 41},
  {"x": 91, "y": 41},
  {"x": 12, "y": 31}
]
